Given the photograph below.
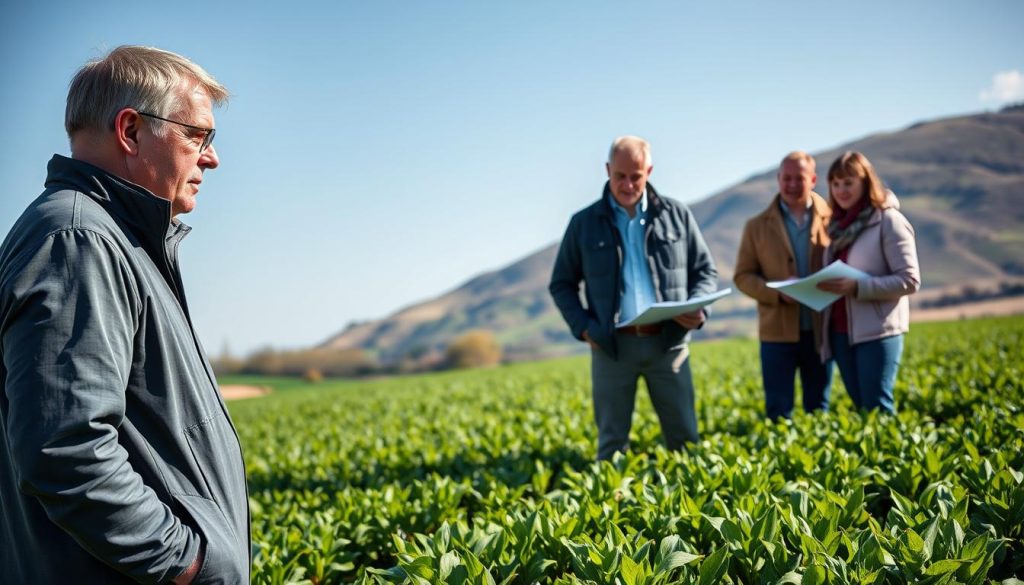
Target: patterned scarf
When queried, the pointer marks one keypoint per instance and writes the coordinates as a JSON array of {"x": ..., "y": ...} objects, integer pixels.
[{"x": 847, "y": 224}]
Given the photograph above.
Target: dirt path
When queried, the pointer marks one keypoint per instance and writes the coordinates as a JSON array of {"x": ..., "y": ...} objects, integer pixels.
[{"x": 239, "y": 392}]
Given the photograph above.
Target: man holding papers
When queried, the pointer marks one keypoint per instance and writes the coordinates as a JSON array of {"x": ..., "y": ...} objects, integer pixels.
[
  {"x": 787, "y": 240},
  {"x": 631, "y": 249}
]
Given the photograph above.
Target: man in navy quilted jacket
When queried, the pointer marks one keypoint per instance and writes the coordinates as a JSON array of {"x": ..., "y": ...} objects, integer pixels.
[{"x": 631, "y": 248}]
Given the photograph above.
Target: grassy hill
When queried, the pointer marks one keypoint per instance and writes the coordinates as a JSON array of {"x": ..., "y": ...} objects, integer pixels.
[{"x": 960, "y": 181}]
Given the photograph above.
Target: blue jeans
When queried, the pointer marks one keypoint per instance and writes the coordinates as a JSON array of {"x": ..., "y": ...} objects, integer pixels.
[
  {"x": 779, "y": 364},
  {"x": 669, "y": 384},
  {"x": 869, "y": 369}
]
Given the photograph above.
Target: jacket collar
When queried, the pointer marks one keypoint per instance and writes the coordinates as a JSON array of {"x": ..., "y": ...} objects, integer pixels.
[
  {"x": 149, "y": 216},
  {"x": 654, "y": 203},
  {"x": 818, "y": 205}
]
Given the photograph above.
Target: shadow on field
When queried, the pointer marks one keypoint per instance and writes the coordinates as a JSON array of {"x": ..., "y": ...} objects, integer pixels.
[{"x": 482, "y": 471}]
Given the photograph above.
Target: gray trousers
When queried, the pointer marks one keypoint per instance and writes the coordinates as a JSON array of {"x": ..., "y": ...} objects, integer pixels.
[{"x": 669, "y": 383}]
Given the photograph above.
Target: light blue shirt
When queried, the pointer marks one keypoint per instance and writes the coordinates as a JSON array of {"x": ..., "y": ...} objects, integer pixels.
[
  {"x": 637, "y": 284},
  {"x": 800, "y": 240}
]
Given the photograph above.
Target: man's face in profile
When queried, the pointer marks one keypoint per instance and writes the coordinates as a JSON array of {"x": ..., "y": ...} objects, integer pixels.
[{"x": 171, "y": 166}]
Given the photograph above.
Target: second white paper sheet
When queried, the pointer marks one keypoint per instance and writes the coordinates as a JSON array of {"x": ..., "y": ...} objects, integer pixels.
[
  {"x": 666, "y": 310},
  {"x": 805, "y": 290}
]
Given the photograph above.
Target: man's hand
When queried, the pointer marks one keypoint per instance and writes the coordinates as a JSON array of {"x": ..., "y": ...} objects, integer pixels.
[
  {"x": 691, "y": 320},
  {"x": 586, "y": 337},
  {"x": 846, "y": 287},
  {"x": 193, "y": 570}
]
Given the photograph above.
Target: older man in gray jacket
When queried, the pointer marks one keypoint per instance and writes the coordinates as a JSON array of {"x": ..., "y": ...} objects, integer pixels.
[
  {"x": 631, "y": 248},
  {"x": 118, "y": 461}
]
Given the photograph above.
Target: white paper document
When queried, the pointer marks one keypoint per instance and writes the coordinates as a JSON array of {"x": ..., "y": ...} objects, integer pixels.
[
  {"x": 805, "y": 290},
  {"x": 666, "y": 310}
]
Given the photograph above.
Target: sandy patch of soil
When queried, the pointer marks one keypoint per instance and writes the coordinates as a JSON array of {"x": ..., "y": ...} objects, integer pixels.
[{"x": 239, "y": 392}]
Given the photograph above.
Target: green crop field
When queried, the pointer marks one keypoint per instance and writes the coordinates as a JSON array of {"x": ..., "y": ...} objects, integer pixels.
[{"x": 487, "y": 477}]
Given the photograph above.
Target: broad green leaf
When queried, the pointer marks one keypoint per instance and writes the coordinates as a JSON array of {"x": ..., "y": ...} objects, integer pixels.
[
  {"x": 449, "y": 561},
  {"x": 713, "y": 567},
  {"x": 914, "y": 542},
  {"x": 814, "y": 575},
  {"x": 630, "y": 570},
  {"x": 669, "y": 544},
  {"x": 732, "y": 533},
  {"x": 459, "y": 575},
  {"x": 420, "y": 567},
  {"x": 443, "y": 537},
  {"x": 944, "y": 567},
  {"x": 790, "y": 578},
  {"x": 675, "y": 560}
]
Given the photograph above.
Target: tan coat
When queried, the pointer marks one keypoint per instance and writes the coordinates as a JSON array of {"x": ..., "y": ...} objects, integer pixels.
[
  {"x": 887, "y": 251},
  {"x": 765, "y": 254}
]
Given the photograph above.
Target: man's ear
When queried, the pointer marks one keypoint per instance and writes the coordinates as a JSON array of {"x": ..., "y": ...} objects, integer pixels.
[
  {"x": 127, "y": 125},
  {"x": 608, "y": 169}
]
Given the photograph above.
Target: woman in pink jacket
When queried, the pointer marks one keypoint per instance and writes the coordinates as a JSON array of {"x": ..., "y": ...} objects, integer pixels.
[{"x": 864, "y": 329}]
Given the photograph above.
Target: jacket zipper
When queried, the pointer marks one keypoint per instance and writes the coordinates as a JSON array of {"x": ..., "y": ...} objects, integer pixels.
[{"x": 618, "y": 274}]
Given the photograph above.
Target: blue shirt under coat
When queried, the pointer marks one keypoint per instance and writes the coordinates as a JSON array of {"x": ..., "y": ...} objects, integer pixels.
[
  {"x": 637, "y": 284},
  {"x": 800, "y": 240}
]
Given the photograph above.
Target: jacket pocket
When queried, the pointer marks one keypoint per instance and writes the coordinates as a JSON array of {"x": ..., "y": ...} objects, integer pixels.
[
  {"x": 223, "y": 563},
  {"x": 218, "y": 459},
  {"x": 217, "y": 455},
  {"x": 600, "y": 258},
  {"x": 669, "y": 249}
]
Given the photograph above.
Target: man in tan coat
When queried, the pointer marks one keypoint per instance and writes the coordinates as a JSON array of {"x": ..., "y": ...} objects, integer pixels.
[{"x": 787, "y": 240}]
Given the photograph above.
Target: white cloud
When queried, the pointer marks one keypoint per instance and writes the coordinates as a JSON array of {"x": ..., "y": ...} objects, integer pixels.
[{"x": 1007, "y": 87}]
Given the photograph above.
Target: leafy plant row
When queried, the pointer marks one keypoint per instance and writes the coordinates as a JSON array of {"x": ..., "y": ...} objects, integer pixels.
[{"x": 487, "y": 477}]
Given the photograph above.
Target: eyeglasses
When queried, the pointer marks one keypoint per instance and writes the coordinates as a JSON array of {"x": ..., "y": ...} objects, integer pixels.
[{"x": 207, "y": 137}]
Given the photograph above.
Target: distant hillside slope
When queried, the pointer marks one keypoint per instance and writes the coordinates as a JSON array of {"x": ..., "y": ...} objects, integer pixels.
[
  {"x": 512, "y": 302},
  {"x": 960, "y": 181}
]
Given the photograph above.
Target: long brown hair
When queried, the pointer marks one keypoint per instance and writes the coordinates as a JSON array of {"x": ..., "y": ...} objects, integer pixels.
[{"x": 854, "y": 164}]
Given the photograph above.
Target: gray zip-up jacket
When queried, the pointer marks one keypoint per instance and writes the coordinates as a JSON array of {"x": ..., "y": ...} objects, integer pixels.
[
  {"x": 118, "y": 460},
  {"x": 591, "y": 254}
]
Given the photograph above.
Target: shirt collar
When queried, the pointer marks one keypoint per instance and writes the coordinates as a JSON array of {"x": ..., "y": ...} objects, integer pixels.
[
  {"x": 789, "y": 215},
  {"x": 641, "y": 207}
]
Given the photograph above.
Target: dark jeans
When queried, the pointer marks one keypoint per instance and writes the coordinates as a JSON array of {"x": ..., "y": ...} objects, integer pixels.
[
  {"x": 669, "y": 383},
  {"x": 779, "y": 364},
  {"x": 869, "y": 369}
]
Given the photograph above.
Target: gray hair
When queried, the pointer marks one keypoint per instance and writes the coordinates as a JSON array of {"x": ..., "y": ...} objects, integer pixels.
[
  {"x": 145, "y": 78},
  {"x": 632, "y": 145},
  {"x": 800, "y": 157}
]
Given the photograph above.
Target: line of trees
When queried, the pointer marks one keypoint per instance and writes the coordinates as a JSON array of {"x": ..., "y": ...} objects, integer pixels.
[
  {"x": 473, "y": 349},
  {"x": 970, "y": 294},
  {"x": 271, "y": 362}
]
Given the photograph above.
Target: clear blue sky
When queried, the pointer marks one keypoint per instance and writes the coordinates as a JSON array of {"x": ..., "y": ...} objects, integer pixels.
[{"x": 378, "y": 153}]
